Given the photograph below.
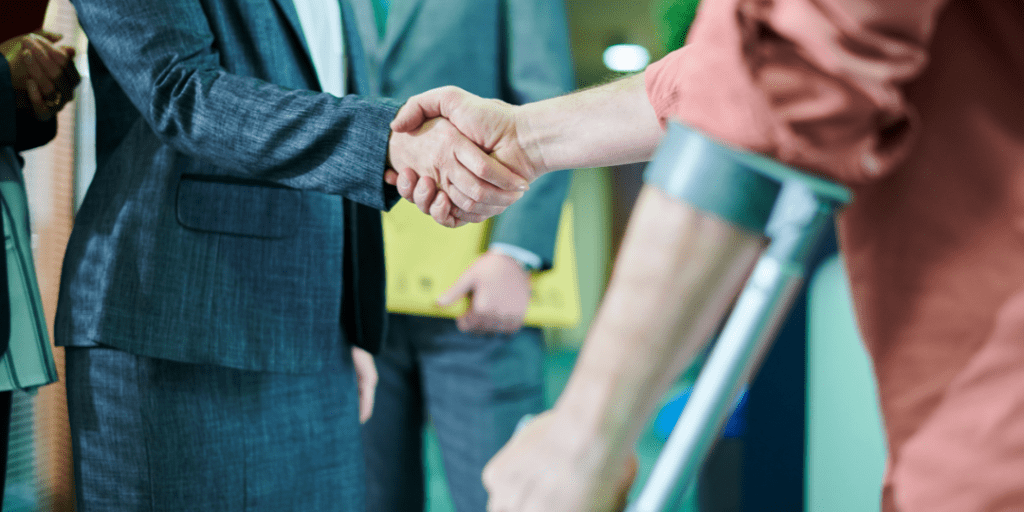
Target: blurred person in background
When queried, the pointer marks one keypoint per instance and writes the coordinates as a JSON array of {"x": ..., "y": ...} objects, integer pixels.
[
  {"x": 913, "y": 104},
  {"x": 37, "y": 78},
  {"x": 476, "y": 376}
]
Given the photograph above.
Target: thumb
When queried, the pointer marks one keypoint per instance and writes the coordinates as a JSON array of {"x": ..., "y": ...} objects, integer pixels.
[
  {"x": 410, "y": 116},
  {"x": 424, "y": 106},
  {"x": 52, "y": 36},
  {"x": 463, "y": 285}
]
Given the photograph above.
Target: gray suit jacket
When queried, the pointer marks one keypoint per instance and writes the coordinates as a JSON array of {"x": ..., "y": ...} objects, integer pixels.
[
  {"x": 515, "y": 50},
  {"x": 229, "y": 220}
]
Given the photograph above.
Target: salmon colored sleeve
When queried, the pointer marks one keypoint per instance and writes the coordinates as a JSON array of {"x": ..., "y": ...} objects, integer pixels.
[{"x": 817, "y": 84}]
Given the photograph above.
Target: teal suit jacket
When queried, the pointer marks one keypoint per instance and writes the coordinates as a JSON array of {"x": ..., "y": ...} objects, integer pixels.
[{"x": 234, "y": 215}]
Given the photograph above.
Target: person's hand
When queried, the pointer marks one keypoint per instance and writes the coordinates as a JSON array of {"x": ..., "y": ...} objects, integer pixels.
[
  {"x": 499, "y": 293},
  {"x": 490, "y": 124},
  {"x": 366, "y": 381},
  {"x": 43, "y": 75},
  {"x": 441, "y": 158},
  {"x": 549, "y": 465}
]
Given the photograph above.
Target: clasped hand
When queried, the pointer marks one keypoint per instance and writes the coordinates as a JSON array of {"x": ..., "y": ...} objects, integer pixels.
[
  {"x": 42, "y": 74},
  {"x": 457, "y": 156}
]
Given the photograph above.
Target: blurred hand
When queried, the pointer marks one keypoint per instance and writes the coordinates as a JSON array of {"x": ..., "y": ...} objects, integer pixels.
[
  {"x": 436, "y": 156},
  {"x": 490, "y": 124},
  {"x": 499, "y": 293},
  {"x": 43, "y": 75},
  {"x": 366, "y": 381},
  {"x": 549, "y": 465}
]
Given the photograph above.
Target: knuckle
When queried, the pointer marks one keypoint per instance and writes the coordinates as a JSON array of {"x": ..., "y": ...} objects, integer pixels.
[
  {"x": 437, "y": 161},
  {"x": 449, "y": 92},
  {"x": 466, "y": 204},
  {"x": 475, "y": 191}
]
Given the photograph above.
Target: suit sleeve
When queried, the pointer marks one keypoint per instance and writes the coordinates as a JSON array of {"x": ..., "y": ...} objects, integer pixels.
[
  {"x": 817, "y": 84},
  {"x": 538, "y": 66},
  {"x": 165, "y": 58}
]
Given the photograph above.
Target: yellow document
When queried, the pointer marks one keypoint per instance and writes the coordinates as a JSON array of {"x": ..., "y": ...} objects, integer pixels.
[{"x": 424, "y": 259}]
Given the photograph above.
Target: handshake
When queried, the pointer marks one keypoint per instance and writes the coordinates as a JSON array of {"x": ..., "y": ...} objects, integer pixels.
[{"x": 460, "y": 158}]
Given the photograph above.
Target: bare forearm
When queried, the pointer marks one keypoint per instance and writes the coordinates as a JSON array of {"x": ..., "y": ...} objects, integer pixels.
[
  {"x": 607, "y": 125},
  {"x": 676, "y": 275}
]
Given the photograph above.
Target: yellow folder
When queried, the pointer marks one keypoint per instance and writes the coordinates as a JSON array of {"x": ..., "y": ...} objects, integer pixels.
[{"x": 424, "y": 259}]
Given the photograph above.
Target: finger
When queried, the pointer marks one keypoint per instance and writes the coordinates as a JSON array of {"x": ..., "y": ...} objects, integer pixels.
[
  {"x": 39, "y": 108},
  {"x": 366, "y": 397},
  {"x": 419, "y": 108},
  {"x": 391, "y": 177},
  {"x": 480, "y": 323},
  {"x": 52, "y": 36},
  {"x": 57, "y": 55},
  {"x": 424, "y": 193},
  {"x": 366, "y": 381},
  {"x": 35, "y": 72},
  {"x": 478, "y": 191},
  {"x": 465, "y": 216},
  {"x": 507, "y": 325},
  {"x": 488, "y": 169},
  {"x": 410, "y": 117},
  {"x": 464, "y": 323},
  {"x": 441, "y": 209},
  {"x": 462, "y": 286},
  {"x": 468, "y": 217},
  {"x": 407, "y": 179},
  {"x": 466, "y": 204},
  {"x": 41, "y": 54},
  {"x": 471, "y": 323}
]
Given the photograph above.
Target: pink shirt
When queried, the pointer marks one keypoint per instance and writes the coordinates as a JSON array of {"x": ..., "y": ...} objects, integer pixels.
[{"x": 918, "y": 105}]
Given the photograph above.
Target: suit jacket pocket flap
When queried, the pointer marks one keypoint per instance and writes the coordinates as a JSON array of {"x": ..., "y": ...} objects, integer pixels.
[{"x": 238, "y": 207}]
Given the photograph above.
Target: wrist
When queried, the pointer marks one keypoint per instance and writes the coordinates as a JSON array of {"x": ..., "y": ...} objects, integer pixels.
[
  {"x": 596, "y": 421},
  {"x": 529, "y": 138}
]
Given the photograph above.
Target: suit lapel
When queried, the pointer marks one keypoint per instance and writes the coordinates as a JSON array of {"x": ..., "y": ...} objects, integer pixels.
[
  {"x": 288, "y": 8},
  {"x": 400, "y": 17},
  {"x": 361, "y": 80},
  {"x": 367, "y": 25}
]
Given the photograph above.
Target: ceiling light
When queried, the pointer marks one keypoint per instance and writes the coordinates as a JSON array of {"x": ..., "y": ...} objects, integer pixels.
[{"x": 626, "y": 58}]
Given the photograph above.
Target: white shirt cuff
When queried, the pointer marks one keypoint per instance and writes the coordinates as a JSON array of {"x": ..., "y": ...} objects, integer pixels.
[{"x": 526, "y": 258}]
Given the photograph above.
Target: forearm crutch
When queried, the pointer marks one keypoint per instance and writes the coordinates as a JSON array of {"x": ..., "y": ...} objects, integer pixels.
[{"x": 756, "y": 193}]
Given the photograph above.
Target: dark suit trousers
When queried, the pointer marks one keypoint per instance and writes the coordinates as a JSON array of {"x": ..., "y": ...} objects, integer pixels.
[
  {"x": 158, "y": 435},
  {"x": 475, "y": 389}
]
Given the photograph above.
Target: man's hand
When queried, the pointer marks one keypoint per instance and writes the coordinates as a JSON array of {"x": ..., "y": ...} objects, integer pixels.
[
  {"x": 549, "y": 465},
  {"x": 366, "y": 381},
  {"x": 43, "y": 75},
  {"x": 490, "y": 124},
  {"x": 442, "y": 158},
  {"x": 499, "y": 293}
]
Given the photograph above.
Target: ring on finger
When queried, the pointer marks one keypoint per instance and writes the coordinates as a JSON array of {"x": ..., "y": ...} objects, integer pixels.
[{"x": 54, "y": 100}]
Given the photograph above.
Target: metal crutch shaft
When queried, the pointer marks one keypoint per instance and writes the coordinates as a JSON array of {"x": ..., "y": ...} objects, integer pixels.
[{"x": 802, "y": 209}]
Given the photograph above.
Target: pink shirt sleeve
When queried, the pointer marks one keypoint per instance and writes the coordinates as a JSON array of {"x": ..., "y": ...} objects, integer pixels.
[{"x": 817, "y": 84}]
